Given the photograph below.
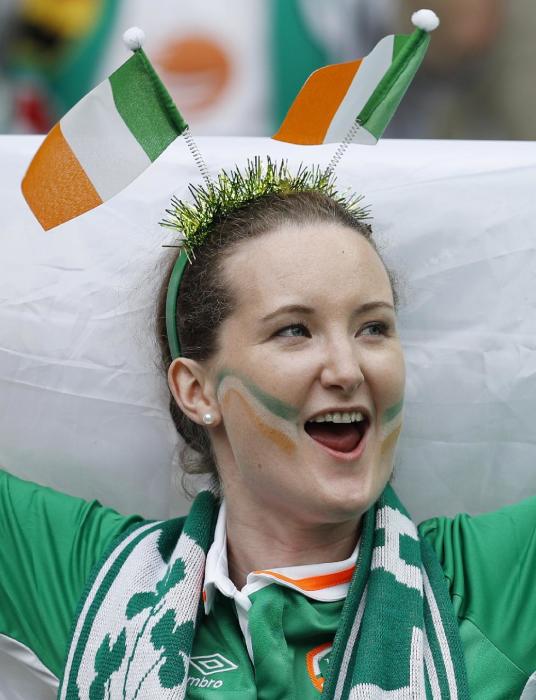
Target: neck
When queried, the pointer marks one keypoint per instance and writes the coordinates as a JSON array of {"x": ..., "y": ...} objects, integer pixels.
[{"x": 258, "y": 541}]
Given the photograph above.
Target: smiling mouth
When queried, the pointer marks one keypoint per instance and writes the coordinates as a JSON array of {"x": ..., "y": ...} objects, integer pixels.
[{"x": 340, "y": 437}]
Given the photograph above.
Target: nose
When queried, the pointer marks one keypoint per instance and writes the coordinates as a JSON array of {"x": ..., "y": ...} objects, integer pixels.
[{"x": 341, "y": 368}]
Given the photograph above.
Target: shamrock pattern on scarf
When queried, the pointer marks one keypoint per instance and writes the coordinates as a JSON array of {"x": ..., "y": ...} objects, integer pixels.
[
  {"x": 172, "y": 671},
  {"x": 174, "y": 644},
  {"x": 107, "y": 661},
  {"x": 141, "y": 601},
  {"x": 163, "y": 637}
]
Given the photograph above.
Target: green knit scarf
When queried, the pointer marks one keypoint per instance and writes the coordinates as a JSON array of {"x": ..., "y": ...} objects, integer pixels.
[{"x": 133, "y": 633}]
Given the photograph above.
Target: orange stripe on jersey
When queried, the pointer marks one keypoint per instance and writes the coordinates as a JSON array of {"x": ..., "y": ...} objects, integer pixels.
[
  {"x": 312, "y": 112},
  {"x": 314, "y": 583},
  {"x": 56, "y": 186}
]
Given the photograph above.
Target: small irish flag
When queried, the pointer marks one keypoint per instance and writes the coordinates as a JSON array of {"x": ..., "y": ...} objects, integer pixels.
[
  {"x": 104, "y": 142},
  {"x": 355, "y": 101}
]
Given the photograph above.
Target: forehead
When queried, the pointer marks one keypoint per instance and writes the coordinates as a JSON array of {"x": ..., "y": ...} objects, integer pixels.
[{"x": 315, "y": 262}]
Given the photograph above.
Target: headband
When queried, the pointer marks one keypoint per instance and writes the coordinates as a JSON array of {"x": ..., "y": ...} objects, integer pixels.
[{"x": 230, "y": 192}]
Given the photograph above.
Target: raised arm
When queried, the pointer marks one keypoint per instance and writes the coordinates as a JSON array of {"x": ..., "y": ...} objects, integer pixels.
[{"x": 48, "y": 544}]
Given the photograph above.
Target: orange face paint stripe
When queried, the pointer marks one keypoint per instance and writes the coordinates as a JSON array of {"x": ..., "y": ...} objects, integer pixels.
[
  {"x": 314, "y": 583},
  {"x": 55, "y": 186},
  {"x": 315, "y": 680},
  {"x": 390, "y": 441},
  {"x": 280, "y": 439},
  {"x": 315, "y": 106}
]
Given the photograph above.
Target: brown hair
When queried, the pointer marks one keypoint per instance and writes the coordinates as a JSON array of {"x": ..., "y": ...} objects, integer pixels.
[{"x": 205, "y": 301}]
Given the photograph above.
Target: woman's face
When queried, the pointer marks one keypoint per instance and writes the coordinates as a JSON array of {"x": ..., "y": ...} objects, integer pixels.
[{"x": 310, "y": 348}]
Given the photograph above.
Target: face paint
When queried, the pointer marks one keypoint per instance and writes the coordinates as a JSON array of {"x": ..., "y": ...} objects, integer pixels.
[
  {"x": 391, "y": 427},
  {"x": 390, "y": 441},
  {"x": 392, "y": 412},
  {"x": 271, "y": 417},
  {"x": 274, "y": 405}
]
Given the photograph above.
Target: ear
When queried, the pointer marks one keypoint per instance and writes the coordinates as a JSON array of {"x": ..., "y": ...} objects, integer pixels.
[{"x": 193, "y": 390}]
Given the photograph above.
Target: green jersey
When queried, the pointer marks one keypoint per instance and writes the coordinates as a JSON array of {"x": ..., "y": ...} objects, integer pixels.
[{"x": 273, "y": 638}]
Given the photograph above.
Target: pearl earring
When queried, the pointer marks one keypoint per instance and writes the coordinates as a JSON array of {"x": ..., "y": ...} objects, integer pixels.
[{"x": 208, "y": 419}]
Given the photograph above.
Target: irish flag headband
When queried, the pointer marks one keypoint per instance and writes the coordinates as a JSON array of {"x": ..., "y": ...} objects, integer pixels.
[
  {"x": 116, "y": 131},
  {"x": 345, "y": 103}
]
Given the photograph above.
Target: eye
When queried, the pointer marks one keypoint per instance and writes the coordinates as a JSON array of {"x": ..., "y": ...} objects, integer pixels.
[
  {"x": 379, "y": 326},
  {"x": 295, "y": 330}
]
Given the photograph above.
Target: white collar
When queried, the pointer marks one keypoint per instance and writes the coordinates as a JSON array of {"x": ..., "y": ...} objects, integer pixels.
[{"x": 323, "y": 582}]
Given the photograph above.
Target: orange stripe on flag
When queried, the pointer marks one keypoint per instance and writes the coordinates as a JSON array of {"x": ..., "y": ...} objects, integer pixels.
[
  {"x": 315, "y": 583},
  {"x": 55, "y": 186},
  {"x": 312, "y": 111}
]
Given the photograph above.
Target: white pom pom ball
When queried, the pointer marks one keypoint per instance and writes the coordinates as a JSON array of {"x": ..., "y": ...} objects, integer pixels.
[
  {"x": 134, "y": 38},
  {"x": 427, "y": 20}
]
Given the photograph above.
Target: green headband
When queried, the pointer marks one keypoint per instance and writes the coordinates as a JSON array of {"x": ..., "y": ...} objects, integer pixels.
[
  {"x": 229, "y": 192},
  {"x": 171, "y": 305}
]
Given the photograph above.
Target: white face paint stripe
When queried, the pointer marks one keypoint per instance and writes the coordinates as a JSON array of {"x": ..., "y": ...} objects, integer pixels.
[
  {"x": 441, "y": 637},
  {"x": 391, "y": 426},
  {"x": 279, "y": 425},
  {"x": 91, "y": 595}
]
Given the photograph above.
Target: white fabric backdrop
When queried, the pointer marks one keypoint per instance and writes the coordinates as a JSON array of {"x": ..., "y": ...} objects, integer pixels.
[{"x": 83, "y": 406}]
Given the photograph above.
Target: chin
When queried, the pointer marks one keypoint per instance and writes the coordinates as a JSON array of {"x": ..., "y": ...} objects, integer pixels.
[{"x": 349, "y": 499}]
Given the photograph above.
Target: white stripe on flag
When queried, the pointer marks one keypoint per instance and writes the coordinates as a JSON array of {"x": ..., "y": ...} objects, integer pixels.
[
  {"x": 371, "y": 71},
  {"x": 103, "y": 143}
]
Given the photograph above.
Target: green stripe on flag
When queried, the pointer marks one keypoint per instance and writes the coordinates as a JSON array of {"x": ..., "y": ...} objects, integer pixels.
[
  {"x": 408, "y": 53},
  {"x": 145, "y": 105}
]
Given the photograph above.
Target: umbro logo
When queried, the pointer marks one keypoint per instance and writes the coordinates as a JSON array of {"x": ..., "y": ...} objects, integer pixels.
[{"x": 212, "y": 663}]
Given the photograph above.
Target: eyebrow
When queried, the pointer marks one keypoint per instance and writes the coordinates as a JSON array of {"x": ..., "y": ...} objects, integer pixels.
[{"x": 298, "y": 308}]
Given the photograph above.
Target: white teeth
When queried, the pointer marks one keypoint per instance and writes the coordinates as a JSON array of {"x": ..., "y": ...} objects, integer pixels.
[{"x": 339, "y": 417}]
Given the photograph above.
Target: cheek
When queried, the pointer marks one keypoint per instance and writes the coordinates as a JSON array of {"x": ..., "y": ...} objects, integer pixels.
[
  {"x": 251, "y": 429},
  {"x": 389, "y": 390},
  {"x": 389, "y": 380},
  {"x": 389, "y": 443},
  {"x": 286, "y": 376}
]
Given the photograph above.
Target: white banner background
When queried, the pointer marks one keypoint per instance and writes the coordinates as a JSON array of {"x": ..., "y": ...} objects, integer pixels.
[{"x": 83, "y": 406}]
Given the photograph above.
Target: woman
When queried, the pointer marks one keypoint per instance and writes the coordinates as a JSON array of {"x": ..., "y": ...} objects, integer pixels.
[{"x": 287, "y": 377}]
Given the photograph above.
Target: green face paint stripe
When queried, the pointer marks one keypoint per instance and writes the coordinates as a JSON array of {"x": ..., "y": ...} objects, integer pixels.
[
  {"x": 275, "y": 406},
  {"x": 392, "y": 412}
]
